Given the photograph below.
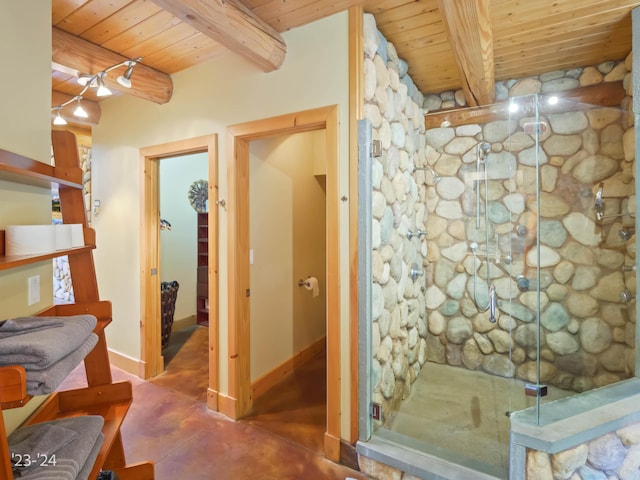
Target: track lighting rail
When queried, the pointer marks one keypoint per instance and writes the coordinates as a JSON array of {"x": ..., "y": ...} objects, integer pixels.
[{"x": 97, "y": 81}]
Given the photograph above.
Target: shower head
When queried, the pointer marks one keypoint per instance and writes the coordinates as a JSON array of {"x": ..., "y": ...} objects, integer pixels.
[
  {"x": 484, "y": 148},
  {"x": 599, "y": 205}
]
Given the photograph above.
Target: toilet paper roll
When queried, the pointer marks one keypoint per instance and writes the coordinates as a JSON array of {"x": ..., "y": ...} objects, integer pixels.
[
  {"x": 29, "y": 239},
  {"x": 311, "y": 283},
  {"x": 63, "y": 236},
  {"x": 77, "y": 235}
]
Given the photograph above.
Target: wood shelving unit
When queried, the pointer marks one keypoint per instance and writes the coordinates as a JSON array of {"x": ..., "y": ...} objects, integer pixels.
[
  {"x": 202, "y": 300},
  {"x": 101, "y": 396}
]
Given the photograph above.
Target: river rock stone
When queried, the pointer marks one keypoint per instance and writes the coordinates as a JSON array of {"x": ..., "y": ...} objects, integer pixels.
[
  {"x": 595, "y": 335},
  {"x": 500, "y": 365},
  {"x": 459, "y": 329},
  {"x": 583, "y": 229},
  {"x": 471, "y": 355},
  {"x": 565, "y": 463},
  {"x": 582, "y": 305},
  {"x": 562, "y": 144},
  {"x": 450, "y": 188},
  {"x": 562, "y": 343},
  {"x": 500, "y": 339},
  {"x": 606, "y": 453},
  {"x": 594, "y": 169},
  {"x": 538, "y": 466},
  {"x": 568, "y": 123}
]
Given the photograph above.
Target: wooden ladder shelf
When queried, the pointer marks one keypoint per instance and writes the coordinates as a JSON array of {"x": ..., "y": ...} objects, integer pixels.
[{"x": 101, "y": 396}]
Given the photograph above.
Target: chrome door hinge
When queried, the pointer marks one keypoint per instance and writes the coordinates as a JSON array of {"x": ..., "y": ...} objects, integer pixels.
[
  {"x": 376, "y": 148},
  {"x": 376, "y": 411}
]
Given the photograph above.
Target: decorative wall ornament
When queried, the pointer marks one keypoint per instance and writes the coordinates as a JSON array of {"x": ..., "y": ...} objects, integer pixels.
[{"x": 198, "y": 195}]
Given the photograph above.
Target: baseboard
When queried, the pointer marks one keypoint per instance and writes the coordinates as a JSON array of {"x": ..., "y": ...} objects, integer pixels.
[
  {"x": 212, "y": 400},
  {"x": 332, "y": 447},
  {"x": 127, "y": 363},
  {"x": 183, "y": 323},
  {"x": 227, "y": 406},
  {"x": 269, "y": 379}
]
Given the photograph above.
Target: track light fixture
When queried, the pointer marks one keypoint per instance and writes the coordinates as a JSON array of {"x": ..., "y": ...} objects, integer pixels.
[
  {"x": 125, "y": 79},
  {"x": 79, "y": 111},
  {"x": 102, "y": 90},
  {"x": 95, "y": 81},
  {"x": 58, "y": 120}
]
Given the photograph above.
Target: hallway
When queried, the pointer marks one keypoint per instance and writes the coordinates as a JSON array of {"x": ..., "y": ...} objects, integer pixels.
[{"x": 170, "y": 424}]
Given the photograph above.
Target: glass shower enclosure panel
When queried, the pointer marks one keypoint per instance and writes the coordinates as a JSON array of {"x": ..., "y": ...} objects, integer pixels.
[
  {"x": 445, "y": 363},
  {"x": 503, "y": 280}
]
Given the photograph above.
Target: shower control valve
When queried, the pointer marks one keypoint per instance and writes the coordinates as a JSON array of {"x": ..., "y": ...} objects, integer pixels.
[{"x": 417, "y": 233}]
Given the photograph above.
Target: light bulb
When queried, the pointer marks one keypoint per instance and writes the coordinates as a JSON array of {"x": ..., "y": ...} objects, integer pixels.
[
  {"x": 84, "y": 80},
  {"x": 58, "y": 120},
  {"x": 125, "y": 80},
  {"x": 102, "y": 90},
  {"x": 79, "y": 111}
]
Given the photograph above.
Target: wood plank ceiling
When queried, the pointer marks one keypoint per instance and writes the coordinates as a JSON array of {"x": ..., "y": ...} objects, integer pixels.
[{"x": 448, "y": 44}]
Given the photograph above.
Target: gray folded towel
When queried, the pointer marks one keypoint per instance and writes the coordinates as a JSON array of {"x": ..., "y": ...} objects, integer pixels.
[
  {"x": 68, "y": 461},
  {"x": 40, "y": 444},
  {"x": 42, "y": 382},
  {"x": 40, "y": 349},
  {"x": 22, "y": 325},
  {"x": 85, "y": 471}
]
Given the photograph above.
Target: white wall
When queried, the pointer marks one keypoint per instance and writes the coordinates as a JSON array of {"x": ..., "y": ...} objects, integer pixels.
[
  {"x": 288, "y": 240},
  {"x": 206, "y": 99},
  {"x": 178, "y": 246},
  {"x": 25, "y": 96}
]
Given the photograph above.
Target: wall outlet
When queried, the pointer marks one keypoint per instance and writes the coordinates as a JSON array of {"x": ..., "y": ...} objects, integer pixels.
[{"x": 34, "y": 289}]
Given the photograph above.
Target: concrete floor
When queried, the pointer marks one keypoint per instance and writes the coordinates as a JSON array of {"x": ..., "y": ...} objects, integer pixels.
[
  {"x": 465, "y": 413},
  {"x": 169, "y": 424}
]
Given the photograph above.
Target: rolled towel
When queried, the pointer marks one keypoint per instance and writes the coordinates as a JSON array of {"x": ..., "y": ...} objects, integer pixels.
[
  {"x": 42, "y": 382},
  {"x": 40, "y": 349},
  {"x": 22, "y": 325},
  {"x": 68, "y": 461}
]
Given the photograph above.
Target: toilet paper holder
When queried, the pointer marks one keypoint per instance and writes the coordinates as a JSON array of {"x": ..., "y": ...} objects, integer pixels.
[{"x": 304, "y": 283}]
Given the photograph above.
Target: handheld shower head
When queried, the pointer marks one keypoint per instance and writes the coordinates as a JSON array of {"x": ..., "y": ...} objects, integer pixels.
[{"x": 599, "y": 205}]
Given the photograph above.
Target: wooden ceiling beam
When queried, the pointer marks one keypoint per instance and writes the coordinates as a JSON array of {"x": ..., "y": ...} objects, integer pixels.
[
  {"x": 608, "y": 94},
  {"x": 468, "y": 24},
  {"x": 92, "y": 108},
  {"x": 233, "y": 25},
  {"x": 76, "y": 54}
]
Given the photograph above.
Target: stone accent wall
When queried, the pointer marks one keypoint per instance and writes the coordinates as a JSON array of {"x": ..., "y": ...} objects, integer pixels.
[
  {"x": 614, "y": 456},
  {"x": 588, "y": 334},
  {"x": 399, "y": 193}
]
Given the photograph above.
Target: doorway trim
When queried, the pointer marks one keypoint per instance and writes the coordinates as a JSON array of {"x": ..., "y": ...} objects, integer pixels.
[
  {"x": 150, "y": 325},
  {"x": 239, "y": 400}
]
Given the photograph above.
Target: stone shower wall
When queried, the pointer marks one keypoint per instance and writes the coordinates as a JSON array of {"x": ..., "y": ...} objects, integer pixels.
[
  {"x": 614, "y": 456},
  {"x": 399, "y": 323},
  {"x": 588, "y": 334}
]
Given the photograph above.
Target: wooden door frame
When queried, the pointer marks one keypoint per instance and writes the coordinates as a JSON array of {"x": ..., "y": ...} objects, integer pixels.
[
  {"x": 239, "y": 399},
  {"x": 150, "y": 325}
]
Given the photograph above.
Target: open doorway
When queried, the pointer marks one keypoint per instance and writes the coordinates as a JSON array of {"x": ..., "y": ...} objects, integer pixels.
[
  {"x": 239, "y": 400},
  {"x": 287, "y": 191},
  {"x": 151, "y": 157}
]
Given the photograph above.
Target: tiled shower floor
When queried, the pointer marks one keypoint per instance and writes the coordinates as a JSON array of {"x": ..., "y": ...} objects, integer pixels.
[{"x": 464, "y": 413}]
